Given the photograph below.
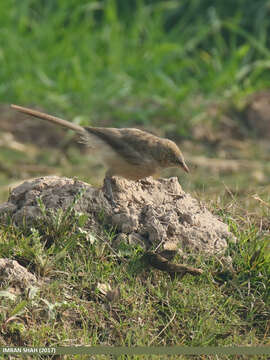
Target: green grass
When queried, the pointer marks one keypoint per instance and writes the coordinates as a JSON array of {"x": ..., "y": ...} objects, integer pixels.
[{"x": 228, "y": 304}]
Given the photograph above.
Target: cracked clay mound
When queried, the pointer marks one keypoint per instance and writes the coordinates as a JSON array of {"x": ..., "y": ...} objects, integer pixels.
[
  {"x": 14, "y": 274},
  {"x": 149, "y": 212}
]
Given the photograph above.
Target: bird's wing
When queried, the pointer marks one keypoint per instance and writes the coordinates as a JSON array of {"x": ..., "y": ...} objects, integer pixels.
[{"x": 119, "y": 143}]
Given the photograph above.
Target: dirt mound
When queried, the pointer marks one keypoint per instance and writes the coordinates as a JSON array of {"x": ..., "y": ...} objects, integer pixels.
[
  {"x": 153, "y": 213},
  {"x": 15, "y": 275}
]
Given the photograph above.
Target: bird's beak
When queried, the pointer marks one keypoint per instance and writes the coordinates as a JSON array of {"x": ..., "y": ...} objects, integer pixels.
[{"x": 184, "y": 166}]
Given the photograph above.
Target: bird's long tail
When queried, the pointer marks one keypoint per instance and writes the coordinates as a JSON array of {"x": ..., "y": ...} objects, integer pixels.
[{"x": 50, "y": 118}]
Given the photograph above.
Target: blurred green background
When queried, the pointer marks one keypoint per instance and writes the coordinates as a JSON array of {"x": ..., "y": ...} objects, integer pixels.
[{"x": 183, "y": 69}]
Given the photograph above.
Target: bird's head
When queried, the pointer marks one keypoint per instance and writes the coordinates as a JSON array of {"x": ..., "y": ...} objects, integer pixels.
[{"x": 174, "y": 156}]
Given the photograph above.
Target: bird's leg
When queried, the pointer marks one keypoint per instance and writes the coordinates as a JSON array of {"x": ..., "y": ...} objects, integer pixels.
[{"x": 108, "y": 188}]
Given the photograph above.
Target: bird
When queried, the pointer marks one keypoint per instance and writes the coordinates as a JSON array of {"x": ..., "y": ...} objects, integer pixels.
[{"x": 130, "y": 153}]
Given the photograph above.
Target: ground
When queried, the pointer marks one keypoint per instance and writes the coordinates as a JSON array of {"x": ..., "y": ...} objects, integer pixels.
[{"x": 228, "y": 304}]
